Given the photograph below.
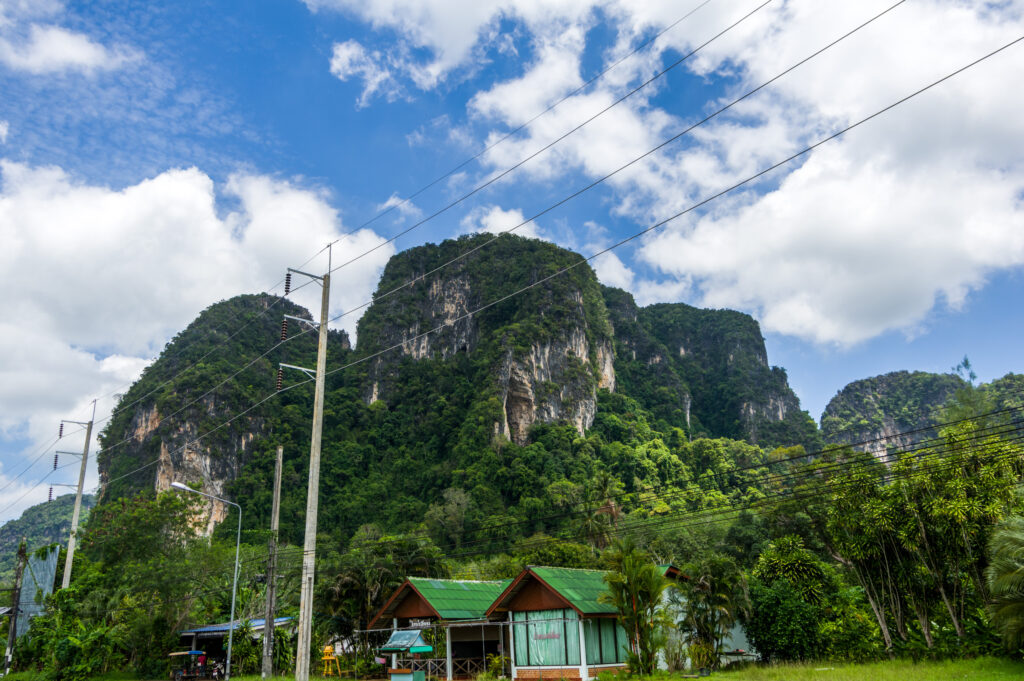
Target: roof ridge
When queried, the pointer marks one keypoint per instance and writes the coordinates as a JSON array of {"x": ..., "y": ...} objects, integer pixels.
[
  {"x": 460, "y": 581},
  {"x": 552, "y": 567}
]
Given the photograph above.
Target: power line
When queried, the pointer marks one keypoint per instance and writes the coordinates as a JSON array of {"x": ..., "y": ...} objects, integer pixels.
[
  {"x": 601, "y": 180},
  {"x": 521, "y": 127},
  {"x": 570, "y": 197},
  {"x": 636, "y": 235},
  {"x": 551, "y": 144}
]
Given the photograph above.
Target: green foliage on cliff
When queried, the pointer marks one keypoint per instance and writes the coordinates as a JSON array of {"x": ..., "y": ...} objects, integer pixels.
[
  {"x": 897, "y": 401},
  {"x": 40, "y": 525},
  {"x": 674, "y": 356},
  {"x": 435, "y": 430}
]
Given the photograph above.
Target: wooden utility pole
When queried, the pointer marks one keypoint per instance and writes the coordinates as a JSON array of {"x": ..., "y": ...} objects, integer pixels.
[
  {"x": 268, "y": 618},
  {"x": 78, "y": 501},
  {"x": 313, "y": 490},
  {"x": 12, "y": 631}
]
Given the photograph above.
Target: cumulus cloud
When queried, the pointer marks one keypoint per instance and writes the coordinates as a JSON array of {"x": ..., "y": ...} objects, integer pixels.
[
  {"x": 115, "y": 273},
  {"x": 51, "y": 49},
  {"x": 914, "y": 211},
  {"x": 497, "y": 220},
  {"x": 351, "y": 60},
  {"x": 5, "y": 128},
  {"x": 405, "y": 207}
]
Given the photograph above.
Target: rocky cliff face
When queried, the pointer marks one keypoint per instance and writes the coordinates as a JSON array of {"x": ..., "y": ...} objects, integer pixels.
[
  {"x": 707, "y": 370},
  {"x": 547, "y": 352},
  {"x": 196, "y": 428},
  {"x": 872, "y": 413}
]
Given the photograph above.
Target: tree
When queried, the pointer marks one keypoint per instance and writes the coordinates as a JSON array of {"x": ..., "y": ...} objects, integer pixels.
[
  {"x": 636, "y": 588},
  {"x": 711, "y": 600},
  {"x": 782, "y": 625},
  {"x": 1005, "y": 578}
]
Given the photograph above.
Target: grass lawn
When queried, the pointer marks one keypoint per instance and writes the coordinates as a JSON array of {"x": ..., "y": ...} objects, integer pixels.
[{"x": 982, "y": 669}]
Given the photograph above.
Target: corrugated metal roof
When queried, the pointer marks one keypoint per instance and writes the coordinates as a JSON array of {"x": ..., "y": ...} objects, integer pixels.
[
  {"x": 455, "y": 599},
  {"x": 217, "y": 628},
  {"x": 580, "y": 587}
]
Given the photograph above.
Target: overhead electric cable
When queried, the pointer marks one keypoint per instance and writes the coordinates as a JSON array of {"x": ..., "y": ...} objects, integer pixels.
[
  {"x": 621, "y": 168},
  {"x": 647, "y": 230},
  {"x": 554, "y": 142},
  {"x": 532, "y": 120},
  {"x": 566, "y": 199}
]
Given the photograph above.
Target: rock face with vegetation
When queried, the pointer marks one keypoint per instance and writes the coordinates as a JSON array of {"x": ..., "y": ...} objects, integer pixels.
[
  {"x": 549, "y": 350},
  {"x": 706, "y": 370},
  {"x": 150, "y": 441},
  {"x": 875, "y": 410},
  {"x": 40, "y": 525},
  {"x": 466, "y": 410},
  {"x": 902, "y": 408}
]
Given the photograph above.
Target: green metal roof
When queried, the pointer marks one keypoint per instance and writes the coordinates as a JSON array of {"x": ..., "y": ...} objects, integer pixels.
[
  {"x": 580, "y": 587},
  {"x": 457, "y": 599}
]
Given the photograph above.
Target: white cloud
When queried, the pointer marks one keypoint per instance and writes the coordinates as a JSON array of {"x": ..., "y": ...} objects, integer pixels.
[
  {"x": 497, "y": 220},
  {"x": 52, "y": 49},
  {"x": 405, "y": 207},
  {"x": 915, "y": 210},
  {"x": 351, "y": 60},
  {"x": 114, "y": 274},
  {"x": 5, "y": 128},
  {"x": 841, "y": 253}
]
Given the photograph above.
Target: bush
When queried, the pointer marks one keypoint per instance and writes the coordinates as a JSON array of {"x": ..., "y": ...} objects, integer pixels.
[{"x": 782, "y": 626}]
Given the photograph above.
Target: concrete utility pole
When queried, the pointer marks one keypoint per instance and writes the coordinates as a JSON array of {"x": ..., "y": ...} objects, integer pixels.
[
  {"x": 313, "y": 491},
  {"x": 12, "y": 631},
  {"x": 268, "y": 618},
  {"x": 78, "y": 499}
]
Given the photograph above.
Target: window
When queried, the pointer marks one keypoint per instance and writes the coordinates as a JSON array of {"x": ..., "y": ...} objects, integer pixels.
[
  {"x": 606, "y": 641},
  {"x": 546, "y": 638}
]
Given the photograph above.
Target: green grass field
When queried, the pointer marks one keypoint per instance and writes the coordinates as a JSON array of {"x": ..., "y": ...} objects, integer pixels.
[{"x": 983, "y": 669}]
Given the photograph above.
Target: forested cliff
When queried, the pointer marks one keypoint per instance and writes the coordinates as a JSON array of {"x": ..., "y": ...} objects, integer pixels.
[{"x": 491, "y": 408}]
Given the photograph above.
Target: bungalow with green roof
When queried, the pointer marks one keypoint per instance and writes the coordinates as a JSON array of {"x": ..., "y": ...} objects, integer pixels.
[
  {"x": 458, "y": 606},
  {"x": 559, "y": 628}
]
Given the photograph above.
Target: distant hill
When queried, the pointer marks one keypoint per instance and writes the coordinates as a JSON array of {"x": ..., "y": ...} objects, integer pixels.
[
  {"x": 489, "y": 406},
  {"x": 42, "y": 524},
  {"x": 905, "y": 402}
]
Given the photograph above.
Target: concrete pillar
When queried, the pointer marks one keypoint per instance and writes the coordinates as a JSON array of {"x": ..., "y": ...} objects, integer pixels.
[
  {"x": 394, "y": 656},
  {"x": 448, "y": 652},
  {"x": 583, "y": 652},
  {"x": 511, "y": 647}
]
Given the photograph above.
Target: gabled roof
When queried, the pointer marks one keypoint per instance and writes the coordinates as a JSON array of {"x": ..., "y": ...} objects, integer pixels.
[
  {"x": 579, "y": 588},
  {"x": 449, "y": 599}
]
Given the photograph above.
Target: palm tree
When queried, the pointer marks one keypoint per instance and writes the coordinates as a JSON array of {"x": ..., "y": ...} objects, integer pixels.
[
  {"x": 1005, "y": 577},
  {"x": 711, "y": 597},
  {"x": 635, "y": 589}
]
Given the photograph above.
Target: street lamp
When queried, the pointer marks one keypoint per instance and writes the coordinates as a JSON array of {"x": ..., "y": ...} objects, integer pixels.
[{"x": 234, "y": 585}]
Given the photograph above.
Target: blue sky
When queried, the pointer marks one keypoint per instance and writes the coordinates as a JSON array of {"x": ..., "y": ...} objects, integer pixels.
[{"x": 158, "y": 157}]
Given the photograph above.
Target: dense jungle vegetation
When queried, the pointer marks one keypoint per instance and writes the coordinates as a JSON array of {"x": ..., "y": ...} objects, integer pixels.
[{"x": 700, "y": 457}]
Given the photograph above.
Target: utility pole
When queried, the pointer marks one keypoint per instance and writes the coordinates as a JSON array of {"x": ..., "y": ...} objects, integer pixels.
[
  {"x": 268, "y": 618},
  {"x": 313, "y": 491},
  {"x": 78, "y": 498},
  {"x": 12, "y": 631}
]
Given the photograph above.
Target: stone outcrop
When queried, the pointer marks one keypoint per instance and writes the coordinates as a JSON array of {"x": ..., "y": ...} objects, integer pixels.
[
  {"x": 539, "y": 375},
  {"x": 886, "y": 412}
]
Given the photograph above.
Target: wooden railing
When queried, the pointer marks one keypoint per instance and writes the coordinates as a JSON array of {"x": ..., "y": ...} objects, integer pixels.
[{"x": 462, "y": 668}]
